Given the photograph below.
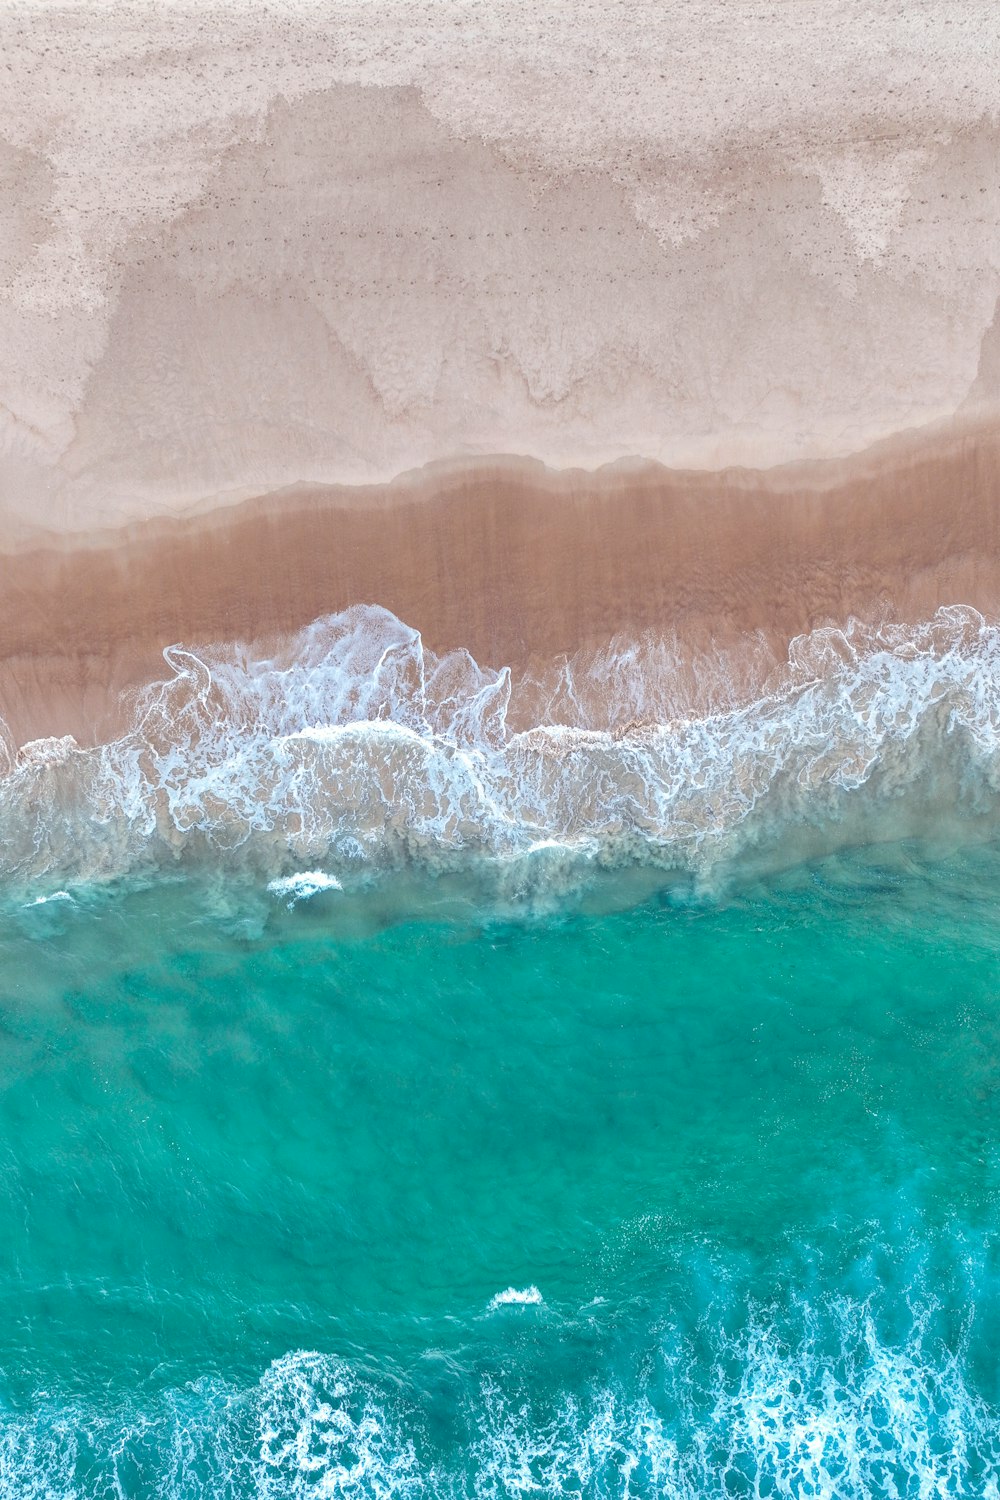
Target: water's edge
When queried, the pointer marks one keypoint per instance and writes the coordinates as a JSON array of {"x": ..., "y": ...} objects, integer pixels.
[{"x": 356, "y": 751}]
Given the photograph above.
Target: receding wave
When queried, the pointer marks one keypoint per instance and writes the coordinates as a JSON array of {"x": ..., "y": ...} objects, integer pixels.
[
  {"x": 354, "y": 748},
  {"x": 841, "y": 1413}
]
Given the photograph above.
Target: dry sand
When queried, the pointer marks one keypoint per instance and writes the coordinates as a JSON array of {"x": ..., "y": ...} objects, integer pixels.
[
  {"x": 256, "y": 261},
  {"x": 244, "y": 246}
]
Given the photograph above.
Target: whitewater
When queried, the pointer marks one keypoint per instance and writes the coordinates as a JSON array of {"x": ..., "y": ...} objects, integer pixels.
[{"x": 353, "y": 750}]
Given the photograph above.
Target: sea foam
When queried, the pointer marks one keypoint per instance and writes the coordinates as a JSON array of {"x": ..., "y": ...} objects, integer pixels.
[
  {"x": 303, "y": 884},
  {"x": 356, "y": 749},
  {"x": 514, "y": 1296},
  {"x": 840, "y": 1414}
]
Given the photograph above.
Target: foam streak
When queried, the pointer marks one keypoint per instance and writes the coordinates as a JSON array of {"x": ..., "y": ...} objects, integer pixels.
[{"x": 356, "y": 748}]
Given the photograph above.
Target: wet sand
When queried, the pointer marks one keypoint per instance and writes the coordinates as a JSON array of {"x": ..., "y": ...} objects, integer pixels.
[
  {"x": 690, "y": 262},
  {"x": 515, "y": 562}
]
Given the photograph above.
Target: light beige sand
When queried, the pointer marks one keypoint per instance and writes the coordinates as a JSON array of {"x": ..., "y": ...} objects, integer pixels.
[
  {"x": 516, "y": 563},
  {"x": 255, "y": 261},
  {"x": 243, "y": 246}
]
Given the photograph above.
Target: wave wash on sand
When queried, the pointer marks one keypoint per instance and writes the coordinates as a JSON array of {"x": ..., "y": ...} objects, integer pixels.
[{"x": 354, "y": 749}]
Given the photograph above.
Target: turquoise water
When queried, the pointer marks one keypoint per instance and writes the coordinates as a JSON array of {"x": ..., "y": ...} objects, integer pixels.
[{"x": 683, "y": 1199}]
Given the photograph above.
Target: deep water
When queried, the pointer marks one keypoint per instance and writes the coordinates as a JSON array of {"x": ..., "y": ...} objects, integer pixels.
[{"x": 692, "y": 1198}]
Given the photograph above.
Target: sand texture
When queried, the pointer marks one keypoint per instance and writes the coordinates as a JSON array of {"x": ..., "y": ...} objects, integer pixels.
[
  {"x": 243, "y": 247},
  {"x": 536, "y": 325},
  {"x": 518, "y": 564}
]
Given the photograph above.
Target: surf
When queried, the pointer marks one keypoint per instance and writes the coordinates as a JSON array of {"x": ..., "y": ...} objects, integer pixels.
[
  {"x": 632, "y": 1203},
  {"x": 353, "y": 750}
]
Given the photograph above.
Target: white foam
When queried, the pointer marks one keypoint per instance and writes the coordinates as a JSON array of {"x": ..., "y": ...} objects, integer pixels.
[
  {"x": 356, "y": 748},
  {"x": 837, "y": 1413},
  {"x": 45, "y": 900},
  {"x": 54, "y": 750},
  {"x": 304, "y": 884},
  {"x": 528, "y": 1296}
]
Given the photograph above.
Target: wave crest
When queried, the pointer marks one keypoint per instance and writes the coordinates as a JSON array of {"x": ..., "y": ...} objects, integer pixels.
[
  {"x": 355, "y": 747},
  {"x": 838, "y": 1413}
]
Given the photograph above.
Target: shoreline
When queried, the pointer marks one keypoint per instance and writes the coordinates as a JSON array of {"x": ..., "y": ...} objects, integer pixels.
[{"x": 516, "y": 563}]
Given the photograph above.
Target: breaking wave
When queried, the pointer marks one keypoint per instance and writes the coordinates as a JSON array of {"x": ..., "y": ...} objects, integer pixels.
[
  {"x": 354, "y": 749},
  {"x": 527, "y": 1296},
  {"x": 840, "y": 1415}
]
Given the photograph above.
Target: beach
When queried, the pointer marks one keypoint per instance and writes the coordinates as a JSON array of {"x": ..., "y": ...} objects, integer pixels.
[
  {"x": 297, "y": 317},
  {"x": 499, "y": 749},
  {"x": 521, "y": 565}
]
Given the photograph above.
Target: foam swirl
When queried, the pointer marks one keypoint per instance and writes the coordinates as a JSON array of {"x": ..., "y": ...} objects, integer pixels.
[
  {"x": 356, "y": 748},
  {"x": 840, "y": 1413}
]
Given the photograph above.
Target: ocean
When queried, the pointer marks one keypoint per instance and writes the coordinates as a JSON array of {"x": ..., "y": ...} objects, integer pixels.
[
  {"x": 499, "y": 750},
  {"x": 403, "y": 1095},
  {"x": 696, "y": 1197}
]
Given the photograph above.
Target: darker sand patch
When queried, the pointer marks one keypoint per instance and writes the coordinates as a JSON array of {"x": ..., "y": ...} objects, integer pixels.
[{"x": 515, "y": 562}]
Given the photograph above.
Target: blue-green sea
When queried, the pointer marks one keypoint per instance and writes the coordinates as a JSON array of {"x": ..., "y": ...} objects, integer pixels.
[{"x": 646, "y": 1196}]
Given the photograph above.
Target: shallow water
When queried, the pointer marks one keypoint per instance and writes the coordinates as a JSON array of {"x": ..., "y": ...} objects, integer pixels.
[
  {"x": 690, "y": 1198},
  {"x": 355, "y": 750}
]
